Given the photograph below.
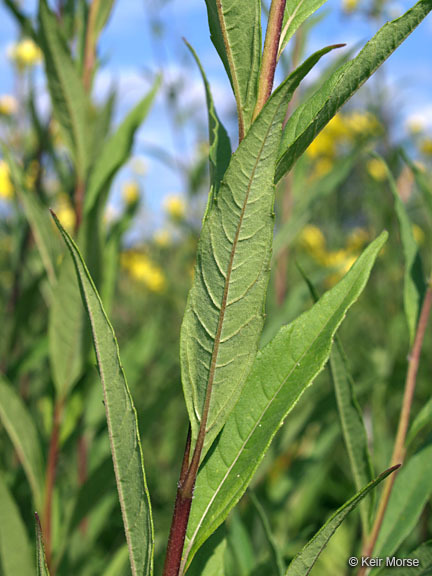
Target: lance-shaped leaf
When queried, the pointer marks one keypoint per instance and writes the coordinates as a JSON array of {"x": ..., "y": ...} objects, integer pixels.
[
  {"x": 411, "y": 492},
  {"x": 224, "y": 313},
  {"x": 235, "y": 28},
  {"x": 311, "y": 117},
  {"x": 296, "y": 12},
  {"x": 66, "y": 330},
  {"x": 353, "y": 428},
  {"x": 305, "y": 560},
  {"x": 414, "y": 284},
  {"x": 122, "y": 424},
  {"x": 423, "y": 554},
  {"x": 41, "y": 563},
  {"x": 117, "y": 149},
  {"x": 219, "y": 142},
  {"x": 281, "y": 372},
  {"x": 67, "y": 93},
  {"x": 103, "y": 15},
  {"x": 16, "y": 555},
  {"x": 21, "y": 430}
]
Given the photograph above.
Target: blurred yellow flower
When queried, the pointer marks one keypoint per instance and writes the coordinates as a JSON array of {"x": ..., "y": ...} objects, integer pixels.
[
  {"x": 312, "y": 239},
  {"x": 32, "y": 174},
  {"x": 142, "y": 269},
  {"x": 323, "y": 145},
  {"x": 357, "y": 239},
  {"x": 175, "y": 207},
  {"x": 426, "y": 147},
  {"x": 349, "y": 5},
  {"x": 415, "y": 125},
  {"x": 130, "y": 193},
  {"x": 322, "y": 167},
  {"x": 8, "y": 105},
  {"x": 377, "y": 169},
  {"x": 6, "y": 187},
  {"x": 343, "y": 268},
  {"x": 65, "y": 213},
  {"x": 162, "y": 238},
  {"x": 25, "y": 54},
  {"x": 419, "y": 235},
  {"x": 362, "y": 123}
]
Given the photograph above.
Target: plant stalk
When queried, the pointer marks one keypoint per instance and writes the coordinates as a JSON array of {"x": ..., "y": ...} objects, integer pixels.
[
  {"x": 90, "y": 46},
  {"x": 50, "y": 475},
  {"x": 399, "y": 446},
  {"x": 270, "y": 52}
]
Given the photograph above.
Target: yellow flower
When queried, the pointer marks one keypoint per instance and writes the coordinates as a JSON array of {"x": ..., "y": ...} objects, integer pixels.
[
  {"x": 362, "y": 123},
  {"x": 175, "y": 207},
  {"x": 323, "y": 145},
  {"x": 143, "y": 270},
  {"x": 65, "y": 213},
  {"x": 8, "y": 105},
  {"x": 415, "y": 125},
  {"x": 377, "y": 169},
  {"x": 130, "y": 193},
  {"x": 344, "y": 267},
  {"x": 312, "y": 239},
  {"x": 426, "y": 147},
  {"x": 322, "y": 167},
  {"x": 6, "y": 187},
  {"x": 357, "y": 239},
  {"x": 349, "y": 5},
  {"x": 162, "y": 238},
  {"x": 25, "y": 54}
]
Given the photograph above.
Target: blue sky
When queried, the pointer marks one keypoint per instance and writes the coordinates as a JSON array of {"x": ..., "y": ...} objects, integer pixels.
[{"x": 132, "y": 55}]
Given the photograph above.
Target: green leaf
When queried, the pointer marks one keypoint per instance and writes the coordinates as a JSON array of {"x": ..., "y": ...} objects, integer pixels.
[
  {"x": 119, "y": 564},
  {"x": 38, "y": 219},
  {"x": 66, "y": 330},
  {"x": 414, "y": 284},
  {"x": 411, "y": 491},
  {"x": 69, "y": 100},
  {"x": 23, "y": 21},
  {"x": 296, "y": 12},
  {"x": 41, "y": 563},
  {"x": 16, "y": 555},
  {"x": 275, "y": 553},
  {"x": 23, "y": 434},
  {"x": 211, "y": 559},
  {"x": 423, "y": 554},
  {"x": 103, "y": 15},
  {"x": 353, "y": 428},
  {"x": 122, "y": 424},
  {"x": 304, "y": 561},
  {"x": 421, "y": 421},
  {"x": 117, "y": 149},
  {"x": 281, "y": 372},
  {"x": 235, "y": 28},
  {"x": 220, "y": 146},
  {"x": 224, "y": 313},
  {"x": 311, "y": 117}
]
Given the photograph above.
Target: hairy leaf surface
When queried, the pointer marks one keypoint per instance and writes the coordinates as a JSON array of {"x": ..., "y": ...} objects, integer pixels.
[
  {"x": 122, "y": 424},
  {"x": 24, "y": 437},
  {"x": 69, "y": 100},
  {"x": 411, "y": 491},
  {"x": 16, "y": 555},
  {"x": 116, "y": 150},
  {"x": 224, "y": 313},
  {"x": 41, "y": 563},
  {"x": 296, "y": 12},
  {"x": 305, "y": 560},
  {"x": 311, "y": 117},
  {"x": 235, "y": 28},
  {"x": 281, "y": 372}
]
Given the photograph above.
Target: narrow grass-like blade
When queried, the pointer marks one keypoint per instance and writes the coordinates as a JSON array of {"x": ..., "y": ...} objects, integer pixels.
[
  {"x": 235, "y": 28},
  {"x": 311, "y": 117},
  {"x": 21, "y": 430},
  {"x": 411, "y": 492},
  {"x": 16, "y": 555},
  {"x": 305, "y": 560},
  {"x": 41, "y": 563},
  {"x": 414, "y": 284},
  {"x": 296, "y": 12},
  {"x": 281, "y": 372},
  {"x": 122, "y": 424},
  {"x": 117, "y": 149},
  {"x": 219, "y": 142},
  {"x": 225, "y": 309},
  {"x": 69, "y": 100}
]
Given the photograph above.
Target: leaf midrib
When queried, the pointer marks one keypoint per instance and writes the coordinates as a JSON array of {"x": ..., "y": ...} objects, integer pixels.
[{"x": 217, "y": 490}]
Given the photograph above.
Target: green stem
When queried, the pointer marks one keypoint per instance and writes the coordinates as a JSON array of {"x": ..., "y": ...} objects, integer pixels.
[
  {"x": 270, "y": 52},
  {"x": 399, "y": 446}
]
